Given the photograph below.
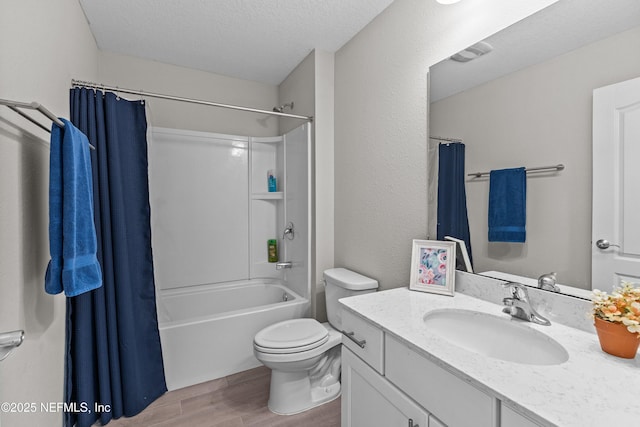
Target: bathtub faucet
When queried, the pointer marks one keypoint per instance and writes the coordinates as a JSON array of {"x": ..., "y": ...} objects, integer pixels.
[{"x": 281, "y": 265}]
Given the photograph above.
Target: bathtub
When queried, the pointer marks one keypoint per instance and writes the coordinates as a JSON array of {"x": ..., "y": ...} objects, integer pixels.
[{"x": 207, "y": 331}]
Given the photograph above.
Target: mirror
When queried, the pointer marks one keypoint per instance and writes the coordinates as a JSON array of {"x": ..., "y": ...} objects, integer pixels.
[{"x": 528, "y": 102}]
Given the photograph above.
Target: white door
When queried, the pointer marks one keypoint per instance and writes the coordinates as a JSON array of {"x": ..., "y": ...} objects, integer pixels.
[{"x": 615, "y": 235}]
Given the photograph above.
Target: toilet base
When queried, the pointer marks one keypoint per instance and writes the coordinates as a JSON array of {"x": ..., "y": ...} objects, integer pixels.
[
  {"x": 294, "y": 391},
  {"x": 291, "y": 393}
]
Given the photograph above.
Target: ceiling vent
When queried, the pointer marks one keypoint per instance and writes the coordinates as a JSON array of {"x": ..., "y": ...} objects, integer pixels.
[{"x": 472, "y": 52}]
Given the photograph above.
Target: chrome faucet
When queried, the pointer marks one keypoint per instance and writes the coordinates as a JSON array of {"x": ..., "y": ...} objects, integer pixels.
[
  {"x": 289, "y": 232},
  {"x": 285, "y": 264},
  {"x": 548, "y": 282},
  {"x": 519, "y": 305}
]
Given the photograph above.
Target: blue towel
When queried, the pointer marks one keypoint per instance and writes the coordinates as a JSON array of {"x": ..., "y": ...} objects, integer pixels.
[
  {"x": 508, "y": 205},
  {"x": 74, "y": 266}
]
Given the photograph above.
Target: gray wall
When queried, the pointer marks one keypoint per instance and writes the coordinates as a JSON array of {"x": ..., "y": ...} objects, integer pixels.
[
  {"x": 310, "y": 86},
  {"x": 538, "y": 116},
  {"x": 323, "y": 173},
  {"x": 381, "y": 125},
  {"x": 43, "y": 44},
  {"x": 135, "y": 73}
]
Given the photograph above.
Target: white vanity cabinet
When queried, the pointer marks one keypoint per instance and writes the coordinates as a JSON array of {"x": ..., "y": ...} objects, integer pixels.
[
  {"x": 364, "y": 339},
  {"x": 464, "y": 388},
  {"x": 369, "y": 400},
  {"x": 386, "y": 382},
  {"x": 455, "y": 402}
]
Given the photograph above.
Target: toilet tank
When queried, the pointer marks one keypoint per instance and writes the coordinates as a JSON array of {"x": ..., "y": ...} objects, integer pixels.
[{"x": 341, "y": 283}]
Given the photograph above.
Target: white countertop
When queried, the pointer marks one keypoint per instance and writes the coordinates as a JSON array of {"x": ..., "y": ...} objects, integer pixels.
[{"x": 591, "y": 389}]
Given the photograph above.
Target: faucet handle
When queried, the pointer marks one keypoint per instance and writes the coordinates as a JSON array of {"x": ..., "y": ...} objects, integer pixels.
[
  {"x": 548, "y": 282},
  {"x": 519, "y": 305},
  {"x": 510, "y": 309},
  {"x": 518, "y": 290}
]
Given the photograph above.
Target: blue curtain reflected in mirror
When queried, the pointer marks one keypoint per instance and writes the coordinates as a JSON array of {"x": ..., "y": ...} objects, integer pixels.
[{"x": 452, "y": 198}]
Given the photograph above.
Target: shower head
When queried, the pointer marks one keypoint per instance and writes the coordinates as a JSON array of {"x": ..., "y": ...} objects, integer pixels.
[{"x": 281, "y": 108}]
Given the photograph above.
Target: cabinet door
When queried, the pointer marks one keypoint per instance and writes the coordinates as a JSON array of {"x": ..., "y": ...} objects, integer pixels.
[
  {"x": 369, "y": 400},
  {"x": 453, "y": 400}
]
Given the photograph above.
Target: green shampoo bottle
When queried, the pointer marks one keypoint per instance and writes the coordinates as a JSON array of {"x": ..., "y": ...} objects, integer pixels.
[{"x": 272, "y": 250}]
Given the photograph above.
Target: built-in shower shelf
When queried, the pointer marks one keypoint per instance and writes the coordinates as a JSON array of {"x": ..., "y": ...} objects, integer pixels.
[{"x": 277, "y": 195}]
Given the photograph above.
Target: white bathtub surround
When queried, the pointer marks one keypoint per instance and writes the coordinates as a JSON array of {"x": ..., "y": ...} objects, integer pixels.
[
  {"x": 207, "y": 331},
  {"x": 574, "y": 393},
  {"x": 212, "y": 215}
]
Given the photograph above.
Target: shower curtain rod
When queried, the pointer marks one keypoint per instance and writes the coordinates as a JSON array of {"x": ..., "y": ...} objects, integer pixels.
[
  {"x": 439, "y": 138},
  {"x": 80, "y": 83}
]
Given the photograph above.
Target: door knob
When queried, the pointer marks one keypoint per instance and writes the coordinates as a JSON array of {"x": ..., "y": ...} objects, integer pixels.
[{"x": 604, "y": 244}]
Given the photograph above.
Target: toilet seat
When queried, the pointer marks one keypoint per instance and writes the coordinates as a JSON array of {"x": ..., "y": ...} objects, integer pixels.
[
  {"x": 334, "y": 339},
  {"x": 291, "y": 336}
]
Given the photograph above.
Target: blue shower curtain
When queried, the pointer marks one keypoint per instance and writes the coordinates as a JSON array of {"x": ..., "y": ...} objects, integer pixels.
[
  {"x": 113, "y": 354},
  {"x": 452, "y": 198}
]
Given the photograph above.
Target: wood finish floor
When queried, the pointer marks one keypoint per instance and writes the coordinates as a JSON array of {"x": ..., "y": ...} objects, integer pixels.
[{"x": 239, "y": 400}]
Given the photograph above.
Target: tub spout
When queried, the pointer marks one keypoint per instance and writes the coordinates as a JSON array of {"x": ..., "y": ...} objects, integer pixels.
[{"x": 281, "y": 265}]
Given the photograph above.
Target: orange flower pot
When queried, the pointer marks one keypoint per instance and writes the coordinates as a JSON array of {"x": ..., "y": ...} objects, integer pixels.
[{"x": 615, "y": 339}]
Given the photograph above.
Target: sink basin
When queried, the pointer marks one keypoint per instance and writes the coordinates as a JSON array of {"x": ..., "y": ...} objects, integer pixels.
[{"x": 497, "y": 337}]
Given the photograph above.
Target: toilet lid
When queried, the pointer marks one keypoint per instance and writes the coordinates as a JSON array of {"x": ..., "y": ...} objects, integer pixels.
[{"x": 291, "y": 336}]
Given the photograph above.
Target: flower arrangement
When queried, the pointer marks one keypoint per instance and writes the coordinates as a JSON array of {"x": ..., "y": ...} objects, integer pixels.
[
  {"x": 433, "y": 268},
  {"x": 622, "y": 306}
]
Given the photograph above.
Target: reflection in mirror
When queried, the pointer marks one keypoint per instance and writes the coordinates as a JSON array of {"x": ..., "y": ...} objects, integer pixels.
[{"x": 528, "y": 103}]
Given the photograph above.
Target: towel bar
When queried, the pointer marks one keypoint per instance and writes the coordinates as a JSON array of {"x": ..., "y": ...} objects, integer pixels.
[
  {"x": 9, "y": 341},
  {"x": 538, "y": 169},
  {"x": 16, "y": 105}
]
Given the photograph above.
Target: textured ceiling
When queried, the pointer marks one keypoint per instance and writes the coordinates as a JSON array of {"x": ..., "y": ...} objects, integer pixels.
[
  {"x": 261, "y": 40},
  {"x": 560, "y": 28}
]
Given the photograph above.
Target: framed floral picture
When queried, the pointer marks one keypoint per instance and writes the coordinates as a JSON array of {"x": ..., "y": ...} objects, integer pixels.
[{"x": 433, "y": 265}]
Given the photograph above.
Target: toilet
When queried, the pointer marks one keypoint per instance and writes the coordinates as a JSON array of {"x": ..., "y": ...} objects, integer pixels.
[{"x": 304, "y": 354}]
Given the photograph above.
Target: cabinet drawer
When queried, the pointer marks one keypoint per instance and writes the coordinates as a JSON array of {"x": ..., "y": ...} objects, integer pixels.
[
  {"x": 364, "y": 339},
  {"x": 510, "y": 418},
  {"x": 452, "y": 400}
]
